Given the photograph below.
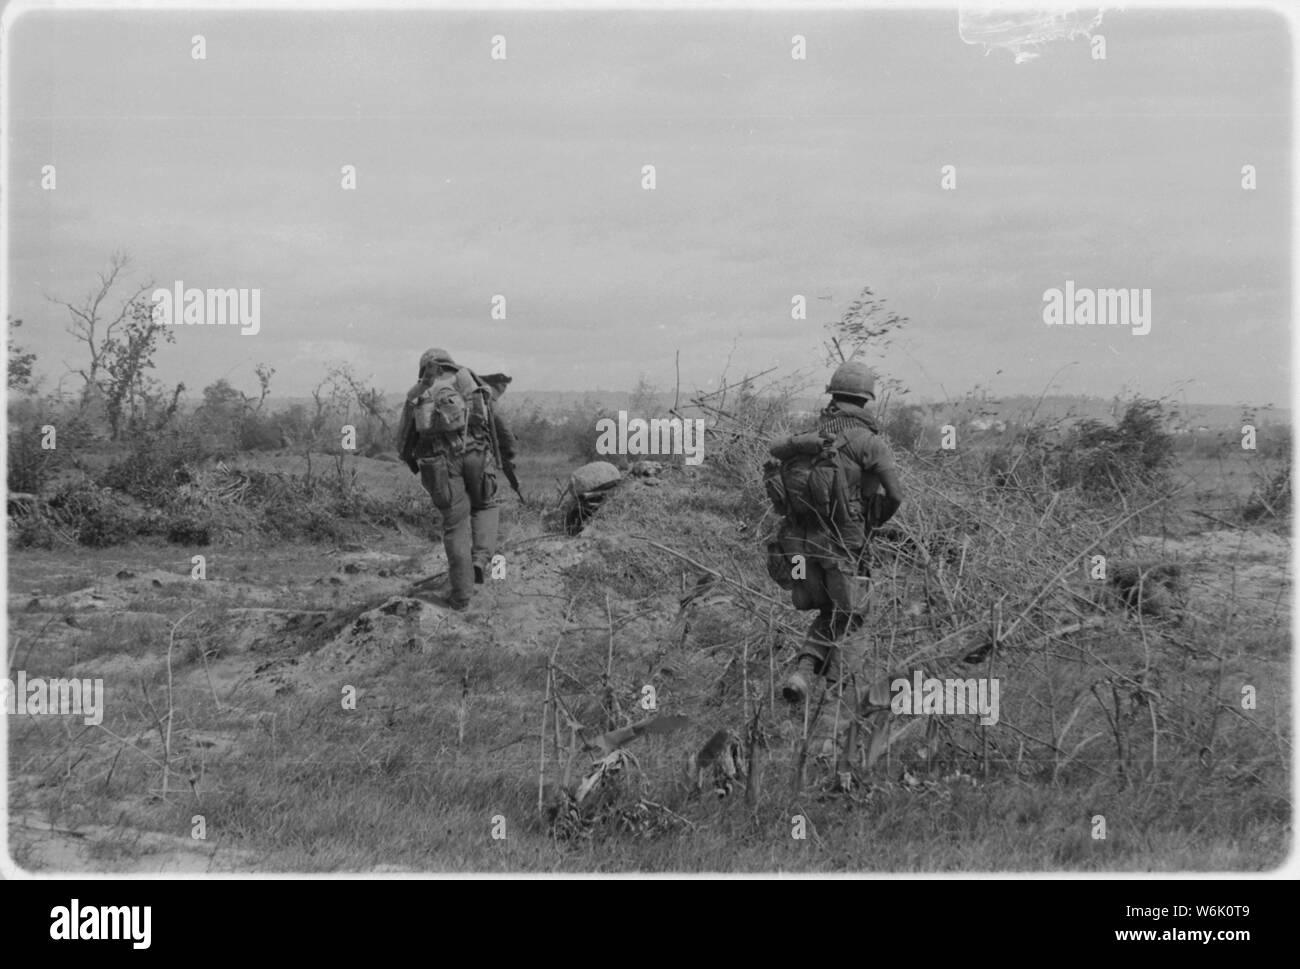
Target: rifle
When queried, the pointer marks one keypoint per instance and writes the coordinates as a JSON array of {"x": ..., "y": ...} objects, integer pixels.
[{"x": 513, "y": 478}]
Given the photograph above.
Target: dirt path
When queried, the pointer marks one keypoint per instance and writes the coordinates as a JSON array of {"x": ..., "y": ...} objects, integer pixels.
[{"x": 271, "y": 621}]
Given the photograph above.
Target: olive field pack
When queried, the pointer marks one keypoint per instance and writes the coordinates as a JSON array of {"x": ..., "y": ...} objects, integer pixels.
[
  {"x": 805, "y": 479},
  {"x": 440, "y": 409}
]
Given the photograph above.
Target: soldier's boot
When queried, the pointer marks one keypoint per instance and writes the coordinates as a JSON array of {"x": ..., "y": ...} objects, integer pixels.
[
  {"x": 813, "y": 655},
  {"x": 799, "y": 683}
]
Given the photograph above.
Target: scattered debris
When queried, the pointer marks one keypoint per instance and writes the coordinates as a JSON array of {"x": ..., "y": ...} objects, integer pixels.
[
  {"x": 719, "y": 763},
  {"x": 609, "y": 742}
]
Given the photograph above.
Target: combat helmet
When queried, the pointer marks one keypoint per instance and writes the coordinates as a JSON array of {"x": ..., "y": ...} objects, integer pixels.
[
  {"x": 854, "y": 379},
  {"x": 435, "y": 355}
]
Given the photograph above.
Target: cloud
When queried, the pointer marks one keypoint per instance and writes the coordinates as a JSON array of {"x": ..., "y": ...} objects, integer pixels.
[{"x": 775, "y": 177}]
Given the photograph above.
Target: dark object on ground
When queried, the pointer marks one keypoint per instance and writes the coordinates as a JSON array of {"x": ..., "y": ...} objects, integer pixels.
[
  {"x": 581, "y": 508},
  {"x": 1151, "y": 588},
  {"x": 588, "y": 488}
]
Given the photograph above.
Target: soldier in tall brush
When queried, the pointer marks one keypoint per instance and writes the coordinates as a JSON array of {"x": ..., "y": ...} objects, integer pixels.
[
  {"x": 449, "y": 436},
  {"x": 832, "y": 486}
]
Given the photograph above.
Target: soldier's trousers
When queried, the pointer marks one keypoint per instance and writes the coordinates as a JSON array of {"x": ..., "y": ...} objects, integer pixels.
[
  {"x": 835, "y": 583},
  {"x": 463, "y": 487}
]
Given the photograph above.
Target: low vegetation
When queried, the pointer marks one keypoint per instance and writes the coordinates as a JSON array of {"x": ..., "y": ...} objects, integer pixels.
[{"x": 1122, "y": 696}]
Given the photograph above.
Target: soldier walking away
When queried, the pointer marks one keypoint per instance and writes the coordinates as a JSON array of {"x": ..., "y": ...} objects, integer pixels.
[
  {"x": 448, "y": 435},
  {"x": 833, "y": 486},
  {"x": 505, "y": 445}
]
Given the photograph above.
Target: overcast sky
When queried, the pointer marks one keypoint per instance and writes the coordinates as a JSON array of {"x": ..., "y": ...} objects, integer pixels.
[{"x": 775, "y": 177}]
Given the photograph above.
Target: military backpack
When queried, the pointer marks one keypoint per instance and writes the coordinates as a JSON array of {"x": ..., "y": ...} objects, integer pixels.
[
  {"x": 440, "y": 411},
  {"x": 805, "y": 479}
]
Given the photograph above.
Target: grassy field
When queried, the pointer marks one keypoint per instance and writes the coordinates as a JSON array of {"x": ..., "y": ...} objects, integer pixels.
[{"x": 228, "y": 702}]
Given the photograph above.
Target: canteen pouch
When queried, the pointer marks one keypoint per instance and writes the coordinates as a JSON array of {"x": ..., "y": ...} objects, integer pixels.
[
  {"x": 487, "y": 484},
  {"x": 436, "y": 480}
]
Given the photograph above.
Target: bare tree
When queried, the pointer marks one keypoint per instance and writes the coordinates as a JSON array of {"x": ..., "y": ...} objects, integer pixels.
[
  {"x": 327, "y": 397},
  {"x": 264, "y": 374},
  {"x": 369, "y": 399},
  {"x": 97, "y": 317}
]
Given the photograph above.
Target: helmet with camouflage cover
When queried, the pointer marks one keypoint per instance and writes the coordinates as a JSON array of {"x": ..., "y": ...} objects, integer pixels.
[
  {"x": 435, "y": 355},
  {"x": 854, "y": 379}
]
